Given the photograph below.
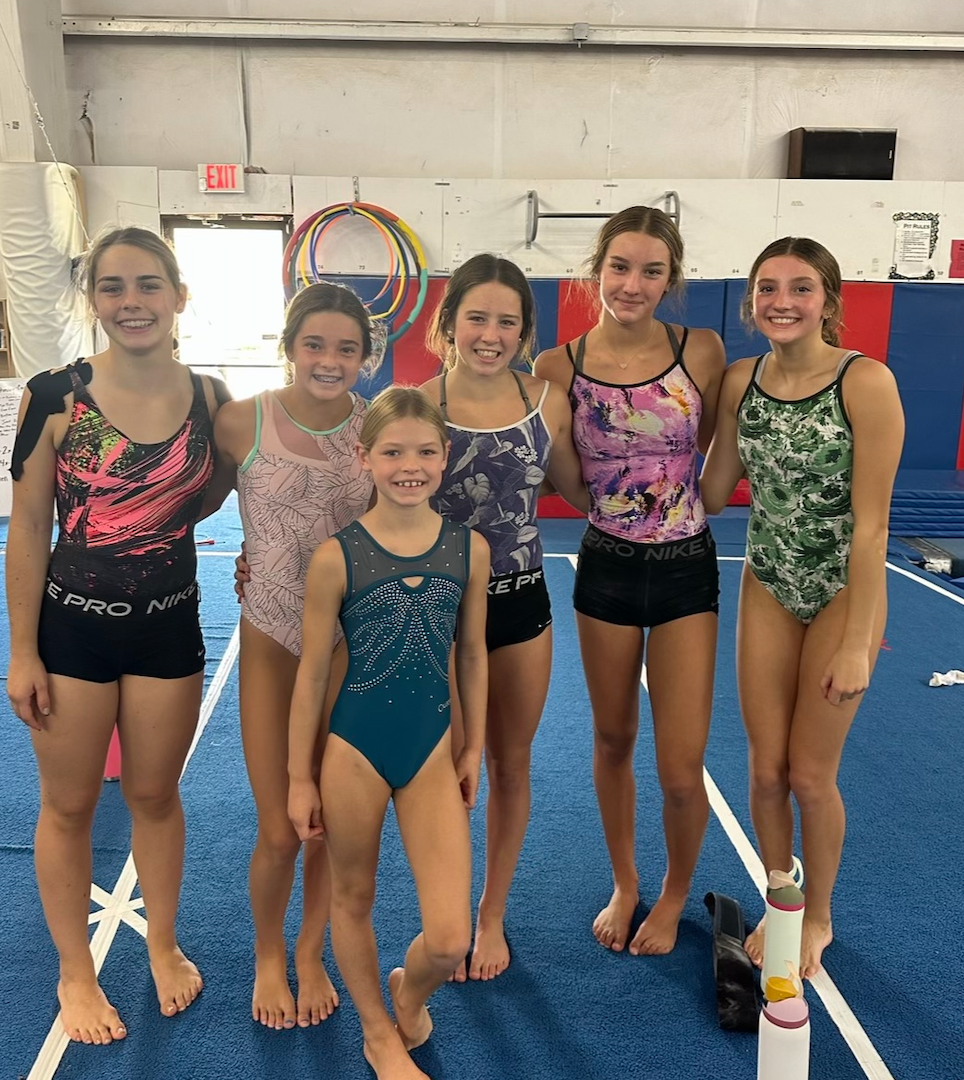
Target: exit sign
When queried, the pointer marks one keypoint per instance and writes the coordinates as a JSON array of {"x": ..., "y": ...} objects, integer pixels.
[{"x": 220, "y": 178}]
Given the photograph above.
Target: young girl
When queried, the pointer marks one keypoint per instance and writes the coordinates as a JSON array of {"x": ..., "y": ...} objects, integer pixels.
[
  {"x": 508, "y": 430},
  {"x": 818, "y": 430},
  {"x": 400, "y": 580},
  {"x": 105, "y": 630},
  {"x": 644, "y": 397},
  {"x": 299, "y": 481}
]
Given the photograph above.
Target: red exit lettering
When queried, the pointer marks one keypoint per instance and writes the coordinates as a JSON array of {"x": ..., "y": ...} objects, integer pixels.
[{"x": 221, "y": 177}]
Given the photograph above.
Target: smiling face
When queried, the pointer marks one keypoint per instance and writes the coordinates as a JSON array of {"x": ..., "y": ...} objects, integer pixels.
[
  {"x": 487, "y": 328},
  {"x": 789, "y": 301},
  {"x": 406, "y": 461},
  {"x": 134, "y": 299},
  {"x": 634, "y": 277},
  {"x": 326, "y": 354}
]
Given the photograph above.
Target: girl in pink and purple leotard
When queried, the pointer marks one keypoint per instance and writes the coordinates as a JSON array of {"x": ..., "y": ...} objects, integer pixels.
[
  {"x": 299, "y": 481},
  {"x": 643, "y": 395}
]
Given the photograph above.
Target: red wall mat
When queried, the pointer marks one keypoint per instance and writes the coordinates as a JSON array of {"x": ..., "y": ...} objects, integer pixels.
[
  {"x": 412, "y": 362},
  {"x": 577, "y": 311},
  {"x": 867, "y": 307},
  {"x": 555, "y": 506}
]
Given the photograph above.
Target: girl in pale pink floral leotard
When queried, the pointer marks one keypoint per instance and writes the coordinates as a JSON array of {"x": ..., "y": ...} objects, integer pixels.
[{"x": 299, "y": 482}]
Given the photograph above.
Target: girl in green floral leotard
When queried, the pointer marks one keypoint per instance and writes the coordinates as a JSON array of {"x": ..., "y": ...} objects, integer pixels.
[{"x": 818, "y": 431}]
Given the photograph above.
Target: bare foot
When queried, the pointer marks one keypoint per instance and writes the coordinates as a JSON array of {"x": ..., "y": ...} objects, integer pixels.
[
  {"x": 272, "y": 1003},
  {"x": 816, "y": 936},
  {"x": 754, "y": 943},
  {"x": 414, "y": 1025},
  {"x": 490, "y": 957},
  {"x": 86, "y": 1014},
  {"x": 177, "y": 980},
  {"x": 459, "y": 975},
  {"x": 317, "y": 998},
  {"x": 611, "y": 925},
  {"x": 657, "y": 934},
  {"x": 390, "y": 1061}
]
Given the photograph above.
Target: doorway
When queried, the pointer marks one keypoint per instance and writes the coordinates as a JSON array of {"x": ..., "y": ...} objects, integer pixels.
[{"x": 232, "y": 324}]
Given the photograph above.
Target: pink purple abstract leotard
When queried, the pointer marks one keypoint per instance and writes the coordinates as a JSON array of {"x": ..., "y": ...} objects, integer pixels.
[{"x": 638, "y": 447}]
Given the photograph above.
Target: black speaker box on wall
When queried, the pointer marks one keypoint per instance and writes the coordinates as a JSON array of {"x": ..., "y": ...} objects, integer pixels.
[{"x": 842, "y": 154}]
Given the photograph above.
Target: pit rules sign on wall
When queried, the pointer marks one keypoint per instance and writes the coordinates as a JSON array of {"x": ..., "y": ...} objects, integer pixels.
[{"x": 220, "y": 178}]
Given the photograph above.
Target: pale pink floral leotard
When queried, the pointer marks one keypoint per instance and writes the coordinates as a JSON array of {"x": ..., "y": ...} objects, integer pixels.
[{"x": 296, "y": 488}]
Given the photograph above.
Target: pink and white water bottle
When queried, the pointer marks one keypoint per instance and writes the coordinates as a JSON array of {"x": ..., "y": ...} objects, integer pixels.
[{"x": 784, "y": 1048}]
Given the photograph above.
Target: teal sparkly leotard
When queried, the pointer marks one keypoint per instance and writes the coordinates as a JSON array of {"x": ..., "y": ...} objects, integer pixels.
[
  {"x": 394, "y": 705},
  {"x": 798, "y": 457}
]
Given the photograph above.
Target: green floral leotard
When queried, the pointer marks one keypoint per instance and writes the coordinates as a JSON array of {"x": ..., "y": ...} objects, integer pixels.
[{"x": 798, "y": 457}]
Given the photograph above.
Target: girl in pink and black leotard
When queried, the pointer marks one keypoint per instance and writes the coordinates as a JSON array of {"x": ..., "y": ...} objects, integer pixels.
[
  {"x": 299, "y": 482},
  {"x": 643, "y": 395},
  {"x": 106, "y": 631}
]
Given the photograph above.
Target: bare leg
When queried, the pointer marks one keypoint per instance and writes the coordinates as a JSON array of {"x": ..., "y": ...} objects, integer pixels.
[
  {"x": 769, "y": 643},
  {"x": 518, "y": 685},
  {"x": 612, "y": 657},
  {"x": 71, "y": 750},
  {"x": 681, "y": 720},
  {"x": 317, "y": 997},
  {"x": 435, "y": 833},
  {"x": 354, "y": 800},
  {"x": 157, "y": 721},
  {"x": 817, "y": 737}
]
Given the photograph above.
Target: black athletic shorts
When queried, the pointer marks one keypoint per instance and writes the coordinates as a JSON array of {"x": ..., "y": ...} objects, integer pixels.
[
  {"x": 518, "y": 608},
  {"x": 83, "y": 637},
  {"x": 645, "y": 584}
]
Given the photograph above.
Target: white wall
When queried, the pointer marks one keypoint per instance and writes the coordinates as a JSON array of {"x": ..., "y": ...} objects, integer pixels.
[
  {"x": 725, "y": 222},
  {"x": 492, "y": 112}
]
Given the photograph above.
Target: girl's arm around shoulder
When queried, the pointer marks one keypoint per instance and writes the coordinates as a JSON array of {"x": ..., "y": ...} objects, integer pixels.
[
  {"x": 706, "y": 362},
  {"x": 472, "y": 668},
  {"x": 325, "y": 588},
  {"x": 565, "y": 468},
  {"x": 723, "y": 468},
  {"x": 225, "y": 466}
]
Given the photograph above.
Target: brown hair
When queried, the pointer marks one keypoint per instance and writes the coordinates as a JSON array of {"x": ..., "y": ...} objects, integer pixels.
[
  {"x": 325, "y": 296},
  {"x": 400, "y": 403},
  {"x": 815, "y": 255},
  {"x": 129, "y": 236},
  {"x": 640, "y": 219},
  {"x": 480, "y": 270}
]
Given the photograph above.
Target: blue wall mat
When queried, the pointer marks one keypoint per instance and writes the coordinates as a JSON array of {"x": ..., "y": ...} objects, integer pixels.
[
  {"x": 739, "y": 341},
  {"x": 927, "y": 358},
  {"x": 546, "y": 293},
  {"x": 702, "y": 303}
]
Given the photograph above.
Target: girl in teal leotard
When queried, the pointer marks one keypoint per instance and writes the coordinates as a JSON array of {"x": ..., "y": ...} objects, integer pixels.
[
  {"x": 818, "y": 432},
  {"x": 400, "y": 580}
]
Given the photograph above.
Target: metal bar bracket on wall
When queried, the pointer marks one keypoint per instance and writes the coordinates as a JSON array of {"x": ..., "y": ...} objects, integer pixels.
[{"x": 534, "y": 215}]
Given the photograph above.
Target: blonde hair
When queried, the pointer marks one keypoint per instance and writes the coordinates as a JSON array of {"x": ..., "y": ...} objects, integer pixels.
[
  {"x": 815, "y": 255},
  {"x": 128, "y": 236},
  {"x": 480, "y": 270},
  {"x": 400, "y": 403}
]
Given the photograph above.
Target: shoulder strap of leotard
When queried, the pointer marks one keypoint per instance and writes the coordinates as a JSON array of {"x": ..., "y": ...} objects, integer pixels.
[
  {"x": 579, "y": 358},
  {"x": 675, "y": 343},
  {"x": 443, "y": 399},
  {"x": 757, "y": 371},
  {"x": 845, "y": 361},
  {"x": 522, "y": 391},
  {"x": 48, "y": 393}
]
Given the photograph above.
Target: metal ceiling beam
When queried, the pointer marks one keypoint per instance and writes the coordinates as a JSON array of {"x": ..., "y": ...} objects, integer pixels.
[{"x": 528, "y": 34}]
